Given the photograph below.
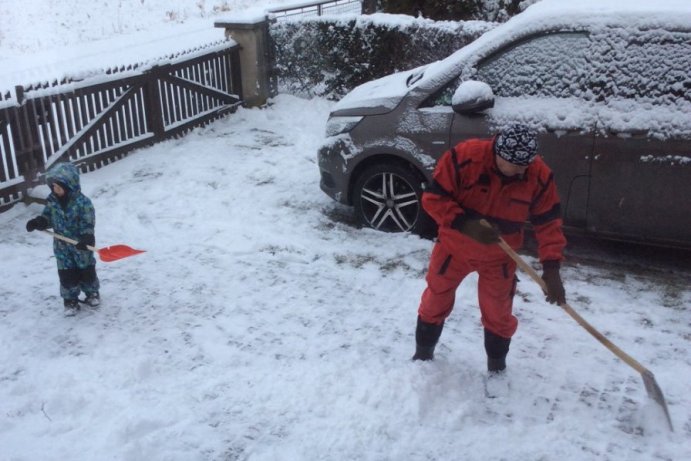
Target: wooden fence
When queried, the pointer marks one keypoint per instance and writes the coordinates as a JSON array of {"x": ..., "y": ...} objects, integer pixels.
[{"x": 94, "y": 122}]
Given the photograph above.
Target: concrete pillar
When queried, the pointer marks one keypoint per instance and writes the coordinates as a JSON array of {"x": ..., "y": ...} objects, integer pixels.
[{"x": 252, "y": 34}]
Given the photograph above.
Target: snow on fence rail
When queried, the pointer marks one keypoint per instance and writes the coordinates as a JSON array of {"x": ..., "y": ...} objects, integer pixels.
[
  {"x": 318, "y": 8},
  {"x": 96, "y": 121}
]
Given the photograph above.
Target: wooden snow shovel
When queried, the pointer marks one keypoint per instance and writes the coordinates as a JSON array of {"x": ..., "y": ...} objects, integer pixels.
[
  {"x": 651, "y": 386},
  {"x": 106, "y": 254}
]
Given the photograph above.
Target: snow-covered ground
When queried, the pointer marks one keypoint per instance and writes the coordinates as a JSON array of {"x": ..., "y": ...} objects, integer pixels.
[
  {"x": 262, "y": 325},
  {"x": 39, "y": 25},
  {"x": 46, "y": 40}
]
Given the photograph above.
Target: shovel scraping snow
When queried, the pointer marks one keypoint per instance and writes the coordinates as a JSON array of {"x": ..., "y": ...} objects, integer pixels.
[
  {"x": 651, "y": 387},
  {"x": 106, "y": 254}
]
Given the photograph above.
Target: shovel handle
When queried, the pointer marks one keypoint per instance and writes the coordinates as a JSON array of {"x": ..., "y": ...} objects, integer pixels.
[
  {"x": 69, "y": 240},
  {"x": 651, "y": 386},
  {"x": 569, "y": 310}
]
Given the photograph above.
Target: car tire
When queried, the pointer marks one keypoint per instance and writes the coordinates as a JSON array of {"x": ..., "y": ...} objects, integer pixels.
[{"x": 388, "y": 197}]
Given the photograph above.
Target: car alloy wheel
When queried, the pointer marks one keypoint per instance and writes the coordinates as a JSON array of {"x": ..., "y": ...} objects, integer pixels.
[{"x": 387, "y": 198}]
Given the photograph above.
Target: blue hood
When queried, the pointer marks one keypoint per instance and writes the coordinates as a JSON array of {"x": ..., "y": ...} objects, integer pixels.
[{"x": 66, "y": 174}]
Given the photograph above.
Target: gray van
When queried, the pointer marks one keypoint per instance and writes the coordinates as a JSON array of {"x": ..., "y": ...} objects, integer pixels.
[{"x": 606, "y": 84}]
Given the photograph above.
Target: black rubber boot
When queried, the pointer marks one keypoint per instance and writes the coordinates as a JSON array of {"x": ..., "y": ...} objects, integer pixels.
[
  {"x": 497, "y": 348},
  {"x": 423, "y": 353},
  {"x": 496, "y": 365},
  {"x": 426, "y": 337}
]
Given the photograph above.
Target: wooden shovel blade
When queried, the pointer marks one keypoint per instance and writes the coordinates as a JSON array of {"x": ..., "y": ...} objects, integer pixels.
[
  {"x": 655, "y": 393},
  {"x": 115, "y": 252}
]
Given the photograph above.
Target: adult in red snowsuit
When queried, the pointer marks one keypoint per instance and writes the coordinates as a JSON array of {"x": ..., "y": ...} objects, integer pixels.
[{"x": 503, "y": 181}]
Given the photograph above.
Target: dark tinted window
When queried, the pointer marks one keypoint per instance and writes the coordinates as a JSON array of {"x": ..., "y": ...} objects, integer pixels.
[{"x": 443, "y": 96}]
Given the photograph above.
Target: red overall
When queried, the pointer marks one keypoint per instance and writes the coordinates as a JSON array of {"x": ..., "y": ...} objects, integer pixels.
[{"x": 466, "y": 181}]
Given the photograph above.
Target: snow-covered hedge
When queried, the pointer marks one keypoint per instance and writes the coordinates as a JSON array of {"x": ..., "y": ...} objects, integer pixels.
[
  {"x": 492, "y": 10},
  {"x": 328, "y": 56}
]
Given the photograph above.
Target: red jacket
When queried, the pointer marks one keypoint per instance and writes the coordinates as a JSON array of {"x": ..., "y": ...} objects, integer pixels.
[{"x": 466, "y": 181}]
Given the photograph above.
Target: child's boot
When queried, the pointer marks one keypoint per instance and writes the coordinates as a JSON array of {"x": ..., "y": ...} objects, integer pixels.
[
  {"x": 93, "y": 299},
  {"x": 71, "y": 307}
]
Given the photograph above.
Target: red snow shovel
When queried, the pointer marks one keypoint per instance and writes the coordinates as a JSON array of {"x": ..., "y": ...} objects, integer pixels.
[
  {"x": 106, "y": 254},
  {"x": 651, "y": 387}
]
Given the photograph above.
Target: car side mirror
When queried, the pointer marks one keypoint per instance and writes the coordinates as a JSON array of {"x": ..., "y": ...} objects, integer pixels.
[{"x": 471, "y": 97}]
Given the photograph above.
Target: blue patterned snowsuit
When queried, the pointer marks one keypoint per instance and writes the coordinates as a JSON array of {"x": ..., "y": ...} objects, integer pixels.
[{"x": 74, "y": 217}]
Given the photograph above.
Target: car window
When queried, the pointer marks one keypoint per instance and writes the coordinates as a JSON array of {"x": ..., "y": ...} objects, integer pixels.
[
  {"x": 443, "y": 96},
  {"x": 642, "y": 81},
  {"x": 650, "y": 65},
  {"x": 554, "y": 65}
]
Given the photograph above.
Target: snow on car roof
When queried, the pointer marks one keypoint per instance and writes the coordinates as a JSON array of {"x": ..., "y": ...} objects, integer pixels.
[
  {"x": 553, "y": 14},
  {"x": 670, "y": 119},
  {"x": 606, "y": 6}
]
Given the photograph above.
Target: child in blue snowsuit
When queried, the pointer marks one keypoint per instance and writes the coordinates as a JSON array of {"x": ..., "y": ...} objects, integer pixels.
[{"x": 71, "y": 214}]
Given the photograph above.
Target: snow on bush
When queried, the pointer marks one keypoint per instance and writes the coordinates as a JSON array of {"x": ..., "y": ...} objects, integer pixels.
[{"x": 329, "y": 56}]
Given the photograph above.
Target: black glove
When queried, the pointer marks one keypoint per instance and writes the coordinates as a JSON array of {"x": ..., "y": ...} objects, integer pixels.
[
  {"x": 555, "y": 288},
  {"x": 86, "y": 239},
  {"x": 476, "y": 230},
  {"x": 37, "y": 223}
]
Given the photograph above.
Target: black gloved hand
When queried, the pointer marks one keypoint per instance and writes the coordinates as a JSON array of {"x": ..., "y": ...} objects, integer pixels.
[
  {"x": 86, "y": 239},
  {"x": 476, "y": 230},
  {"x": 555, "y": 287},
  {"x": 37, "y": 223}
]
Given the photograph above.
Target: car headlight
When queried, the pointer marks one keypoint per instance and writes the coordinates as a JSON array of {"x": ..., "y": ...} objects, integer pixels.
[{"x": 340, "y": 125}]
